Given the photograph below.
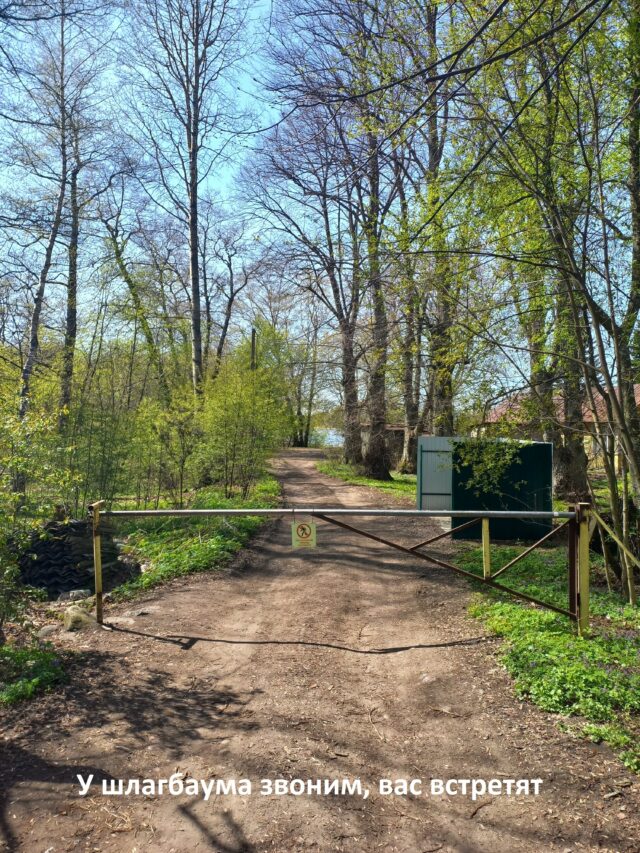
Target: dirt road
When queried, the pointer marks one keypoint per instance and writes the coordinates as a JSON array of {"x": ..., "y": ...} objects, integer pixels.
[{"x": 346, "y": 662}]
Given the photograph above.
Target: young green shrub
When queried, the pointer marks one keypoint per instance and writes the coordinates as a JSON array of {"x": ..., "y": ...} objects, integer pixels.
[
  {"x": 244, "y": 420},
  {"x": 30, "y": 484}
]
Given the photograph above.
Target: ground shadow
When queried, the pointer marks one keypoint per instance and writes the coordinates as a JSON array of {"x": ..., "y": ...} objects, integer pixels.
[
  {"x": 188, "y": 642},
  {"x": 239, "y": 843},
  {"x": 18, "y": 765},
  {"x": 105, "y": 695}
]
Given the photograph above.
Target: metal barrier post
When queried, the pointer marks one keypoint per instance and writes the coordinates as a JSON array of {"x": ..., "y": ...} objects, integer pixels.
[
  {"x": 94, "y": 509},
  {"x": 583, "y": 567},
  {"x": 486, "y": 549}
]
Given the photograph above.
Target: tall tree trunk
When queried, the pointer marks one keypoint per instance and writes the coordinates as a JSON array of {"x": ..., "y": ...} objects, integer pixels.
[
  {"x": 208, "y": 315},
  {"x": 194, "y": 277},
  {"x": 411, "y": 383},
  {"x": 352, "y": 430},
  {"x": 193, "y": 142},
  {"x": 223, "y": 333},
  {"x": 441, "y": 357},
  {"x": 410, "y": 355},
  {"x": 33, "y": 351},
  {"x": 441, "y": 374},
  {"x": 71, "y": 322},
  {"x": 312, "y": 388},
  {"x": 376, "y": 456},
  {"x": 407, "y": 464},
  {"x": 570, "y": 458},
  {"x": 34, "y": 326},
  {"x": 630, "y": 407},
  {"x": 440, "y": 405},
  {"x": 298, "y": 436}
]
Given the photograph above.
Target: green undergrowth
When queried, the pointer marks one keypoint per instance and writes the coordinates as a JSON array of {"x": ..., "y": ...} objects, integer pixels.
[
  {"x": 171, "y": 547},
  {"x": 27, "y": 671},
  {"x": 595, "y": 678},
  {"x": 400, "y": 484}
]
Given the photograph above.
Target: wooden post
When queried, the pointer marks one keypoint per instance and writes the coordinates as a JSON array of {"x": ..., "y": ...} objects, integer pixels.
[
  {"x": 486, "y": 549},
  {"x": 583, "y": 567},
  {"x": 94, "y": 509},
  {"x": 574, "y": 536}
]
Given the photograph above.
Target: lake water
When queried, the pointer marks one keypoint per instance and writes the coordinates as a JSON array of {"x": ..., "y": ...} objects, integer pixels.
[{"x": 327, "y": 437}]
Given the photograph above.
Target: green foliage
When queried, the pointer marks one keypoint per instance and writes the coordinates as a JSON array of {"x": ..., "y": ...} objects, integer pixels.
[
  {"x": 28, "y": 453},
  {"x": 294, "y": 361},
  {"x": 596, "y": 677},
  {"x": 172, "y": 547},
  {"x": 124, "y": 437},
  {"x": 610, "y": 733},
  {"x": 243, "y": 420},
  {"x": 485, "y": 461},
  {"x": 593, "y": 677},
  {"x": 543, "y": 574},
  {"x": 14, "y": 598},
  {"x": 27, "y": 671},
  {"x": 178, "y": 433},
  {"x": 400, "y": 484}
]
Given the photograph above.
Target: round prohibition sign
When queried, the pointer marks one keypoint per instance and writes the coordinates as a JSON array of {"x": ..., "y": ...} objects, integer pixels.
[{"x": 303, "y": 531}]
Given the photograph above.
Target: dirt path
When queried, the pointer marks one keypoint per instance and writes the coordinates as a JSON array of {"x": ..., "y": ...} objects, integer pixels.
[{"x": 346, "y": 662}]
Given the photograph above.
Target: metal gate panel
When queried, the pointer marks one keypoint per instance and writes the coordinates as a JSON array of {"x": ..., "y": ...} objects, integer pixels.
[{"x": 434, "y": 485}]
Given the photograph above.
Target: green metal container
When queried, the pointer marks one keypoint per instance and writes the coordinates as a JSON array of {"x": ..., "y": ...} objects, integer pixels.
[{"x": 524, "y": 483}]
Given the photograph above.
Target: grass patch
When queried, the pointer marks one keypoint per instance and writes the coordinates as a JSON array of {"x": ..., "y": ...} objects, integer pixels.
[
  {"x": 25, "y": 671},
  {"x": 400, "y": 484},
  {"x": 172, "y": 547},
  {"x": 595, "y": 678}
]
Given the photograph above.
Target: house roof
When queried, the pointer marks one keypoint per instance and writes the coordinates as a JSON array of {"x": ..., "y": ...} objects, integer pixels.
[
  {"x": 511, "y": 408},
  {"x": 388, "y": 427}
]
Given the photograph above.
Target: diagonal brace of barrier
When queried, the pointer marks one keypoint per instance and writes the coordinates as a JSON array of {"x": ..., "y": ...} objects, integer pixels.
[{"x": 445, "y": 565}]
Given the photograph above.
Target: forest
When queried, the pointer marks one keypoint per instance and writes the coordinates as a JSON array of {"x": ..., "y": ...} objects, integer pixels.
[{"x": 226, "y": 224}]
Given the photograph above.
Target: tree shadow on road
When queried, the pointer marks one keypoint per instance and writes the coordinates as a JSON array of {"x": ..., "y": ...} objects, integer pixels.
[
  {"x": 239, "y": 842},
  {"x": 109, "y": 700},
  {"x": 18, "y": 765}
]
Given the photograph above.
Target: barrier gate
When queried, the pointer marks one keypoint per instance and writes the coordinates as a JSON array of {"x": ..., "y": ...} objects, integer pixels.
[{"x": 576, "y": 521}]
